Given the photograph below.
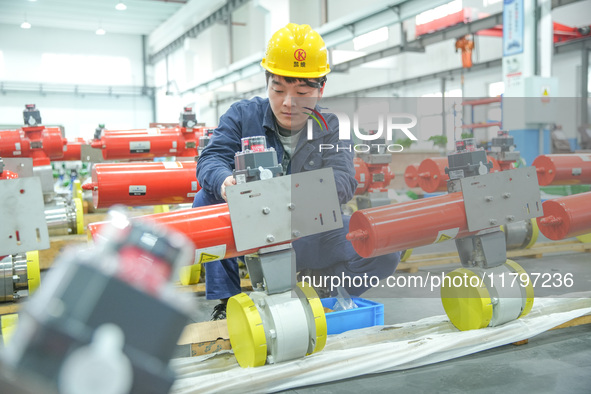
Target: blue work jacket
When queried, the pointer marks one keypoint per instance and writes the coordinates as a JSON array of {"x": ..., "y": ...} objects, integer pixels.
[{"x": 254, "y": 117}]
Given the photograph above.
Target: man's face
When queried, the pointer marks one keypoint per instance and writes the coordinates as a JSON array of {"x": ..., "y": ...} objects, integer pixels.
[{"x": 288, "y": 101}]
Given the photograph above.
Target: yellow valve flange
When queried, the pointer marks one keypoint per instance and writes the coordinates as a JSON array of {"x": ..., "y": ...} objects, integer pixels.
[
  {"x": 190, "y": 274},
  {"x": 33, "y": 271},
  {"x": 161, "y": 208},
  {"x": 247, "y": 334},
  {"x": 77, "y": 191},
  {"x": 79, "y": 216},
  {"x": 529, "y": 288},
  {"x": 534, "y": 236},
  {"x": 8, "y": 324},
  {"x": 585, "y": 238},
  {"x": 318, "y": 312},
  {"x": 406, "y": 255},
  {"x": 468, "y": 307}
]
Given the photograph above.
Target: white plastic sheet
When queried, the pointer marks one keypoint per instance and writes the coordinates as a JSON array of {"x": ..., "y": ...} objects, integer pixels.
[{"x": 373, "y": 350}]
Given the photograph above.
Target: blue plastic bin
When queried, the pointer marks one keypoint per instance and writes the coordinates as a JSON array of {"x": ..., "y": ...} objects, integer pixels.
[{"x": 368, "y": 313}]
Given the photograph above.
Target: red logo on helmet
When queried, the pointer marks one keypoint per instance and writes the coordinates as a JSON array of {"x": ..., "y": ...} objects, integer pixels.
[{"x": 300, "y": 55}]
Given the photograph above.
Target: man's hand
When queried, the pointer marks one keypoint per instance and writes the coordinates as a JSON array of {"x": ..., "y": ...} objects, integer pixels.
[{"x": 227, "y": 182}]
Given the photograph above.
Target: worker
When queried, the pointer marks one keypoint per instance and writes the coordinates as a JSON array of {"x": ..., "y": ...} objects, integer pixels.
[{"x": 296, "y": 65}]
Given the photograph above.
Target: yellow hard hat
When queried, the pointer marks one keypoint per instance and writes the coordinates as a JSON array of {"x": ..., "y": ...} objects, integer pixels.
[{"x": 296, "y": 51}]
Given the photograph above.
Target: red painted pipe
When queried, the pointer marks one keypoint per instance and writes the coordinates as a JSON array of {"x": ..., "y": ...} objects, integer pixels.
[
  {"x": 137, "y": 184},
  {"x": 566, "y": 217},
  {"x": 387, "y": 229},
  {"x": 147, "y": 144},
  {"x": 567, "y": 169},
  {"x": 73, "y": 149},
  {"x": 206, "y": 226}
]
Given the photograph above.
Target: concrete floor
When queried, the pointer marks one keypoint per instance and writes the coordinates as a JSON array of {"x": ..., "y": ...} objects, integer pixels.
[{"x": 556, "y": 361}]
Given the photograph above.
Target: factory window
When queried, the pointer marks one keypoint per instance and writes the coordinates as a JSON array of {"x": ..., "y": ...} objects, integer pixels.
[
  {"x": 438, "y": 12},
  {"x": 85, "y": 69},
  {"x": 371, "y": 38}
]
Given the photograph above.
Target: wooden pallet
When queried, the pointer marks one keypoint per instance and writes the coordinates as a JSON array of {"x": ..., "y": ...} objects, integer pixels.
[
  {"x": 577, "y": 321},
  {"x": 57, "y": 245},
  {"x": 538, "y": 250}
]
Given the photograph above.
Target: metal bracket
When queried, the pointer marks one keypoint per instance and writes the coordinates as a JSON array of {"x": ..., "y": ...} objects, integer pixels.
[
  {"x": 23, "y": 218},
  {"x": 90, "y": 154},
  {"x": 272, "y": 272},
  {"x": 501, "y": 198},
  {"x": 23, "y": 166},
  {"x": 483, "y": 250},
  {"x": 284, "y": 208}
]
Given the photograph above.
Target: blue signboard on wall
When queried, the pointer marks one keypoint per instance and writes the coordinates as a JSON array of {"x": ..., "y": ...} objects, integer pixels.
[{"x": 512, "y": 27}]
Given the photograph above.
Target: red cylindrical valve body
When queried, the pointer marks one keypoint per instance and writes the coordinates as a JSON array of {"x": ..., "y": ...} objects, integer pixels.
[
  {"x": 566, "y": 217},
  {"x": 137, "y": 184},
  {"x": 567, "y": 169},
  {"x": 432, "y": 176},
  {"x": 411, "y": 175},
  {"x": 206, "y": 226},
  {"x": 146, "y": 144},
  {"x": 387, "y": 229},
  {"x": 73, "y": 149},
  {"x": 40, "y": 143},
  {"x": 371, "y": 176},
  {"x": 361, "y": 175}
]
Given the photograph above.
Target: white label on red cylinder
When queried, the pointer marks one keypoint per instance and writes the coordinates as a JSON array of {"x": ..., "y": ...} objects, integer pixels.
[
  {"x": 191, "y": 195},
  {"x": 212, "y": 253},
  {"x": 584, "y": 157},
  {"x": 17, "y": 146},
  {"x": 172, "y": 164},
  {"x": 174, "y": 144},
  {"x": 137, "y": 190},
  {"x": 194, "y": 186},
  {"x": 139, "y": 146},
  {"x": 577, "y": 171},
  {"x": 153, "y": 131},
  {"x": 16, "y": 153},
  {"x": 444, "y": 235}
]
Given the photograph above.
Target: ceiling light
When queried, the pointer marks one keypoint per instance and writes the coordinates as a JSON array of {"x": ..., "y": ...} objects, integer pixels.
[
  {"x": 121, "y": 6},
  {"x": 25, "y": 25},
  {"x": 100, "y": 31}
]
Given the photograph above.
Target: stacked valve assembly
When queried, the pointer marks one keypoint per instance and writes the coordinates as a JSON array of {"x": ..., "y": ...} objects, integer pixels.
[
  {"x": 373, "y": 175},
  {"x": 270, "y": 324},
  {"x": 148, "y": 183},
  {"x": 179, "y": 141},
  {"x": 30, "y": 150},
  {"x": 522, "y": 234},
  {"x": 477, "y": 203},
  {"x": 21, "y": 235}
]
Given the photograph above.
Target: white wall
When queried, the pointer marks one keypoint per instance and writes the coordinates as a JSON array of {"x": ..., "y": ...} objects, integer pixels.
[
  {"x": 55, "y": 56},
  {"x": 79, "y": 115}
]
